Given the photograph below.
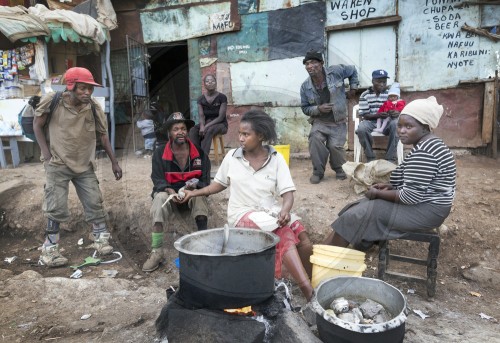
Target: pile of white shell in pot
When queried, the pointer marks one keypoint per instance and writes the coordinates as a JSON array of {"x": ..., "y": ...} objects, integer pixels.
[{"x": 358, "y": 312}]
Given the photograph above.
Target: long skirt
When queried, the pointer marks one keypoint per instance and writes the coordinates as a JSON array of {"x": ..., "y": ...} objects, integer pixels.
[
  {"x": 289, "y": 236},
  {"x": 366, "y": 221}
]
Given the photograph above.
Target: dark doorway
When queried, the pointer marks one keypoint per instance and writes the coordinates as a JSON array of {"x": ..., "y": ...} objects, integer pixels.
[{"x": 169, "y": 77}]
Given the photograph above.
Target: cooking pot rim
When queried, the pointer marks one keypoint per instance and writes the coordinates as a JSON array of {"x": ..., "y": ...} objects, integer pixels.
[
  {"x": 397, "y": 321},
  {"x": 179, "y": 243}
]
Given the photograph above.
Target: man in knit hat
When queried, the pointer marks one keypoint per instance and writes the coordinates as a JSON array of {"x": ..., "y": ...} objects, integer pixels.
[
  {"x": 369, "y": 104},
  {"x": 68, "y": 152},
  {"x": 323, "y": 100}
]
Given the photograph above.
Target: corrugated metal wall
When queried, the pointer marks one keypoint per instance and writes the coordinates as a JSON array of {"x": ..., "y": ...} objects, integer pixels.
[{"x": 260, "y": 63}]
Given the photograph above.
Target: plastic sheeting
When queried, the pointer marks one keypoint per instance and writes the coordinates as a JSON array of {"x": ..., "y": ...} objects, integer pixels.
[
  {"x": 16, "y": 23},
  {"x": 84, "y": 25}
]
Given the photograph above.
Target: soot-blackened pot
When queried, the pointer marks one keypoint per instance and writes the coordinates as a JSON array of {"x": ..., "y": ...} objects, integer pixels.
[{"x": 241, "y": 276}]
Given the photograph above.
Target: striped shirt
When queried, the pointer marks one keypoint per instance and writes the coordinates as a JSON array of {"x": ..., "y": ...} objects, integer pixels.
[
  {"x": 370, "y": 102},
  {"x": 426, "y": 175}
]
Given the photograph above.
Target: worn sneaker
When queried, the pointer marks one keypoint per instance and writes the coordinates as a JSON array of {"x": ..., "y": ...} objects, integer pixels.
[
  {"x": 154, "y": 260},
  {"x": 101, "y": 244},
  {"x": 51, "y": 257},
  {"x": 315, "y": 179}
]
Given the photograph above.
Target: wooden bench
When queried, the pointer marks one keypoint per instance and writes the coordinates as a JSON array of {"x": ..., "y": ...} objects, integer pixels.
[
  {"x": 218, "y": 147},
  {"x": 431, "y": 237}
]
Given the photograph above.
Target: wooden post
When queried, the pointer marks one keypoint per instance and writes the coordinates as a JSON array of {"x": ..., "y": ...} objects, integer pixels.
[
  {"x": 494, "y": 145},
  {"x": 488, "y": 112}
]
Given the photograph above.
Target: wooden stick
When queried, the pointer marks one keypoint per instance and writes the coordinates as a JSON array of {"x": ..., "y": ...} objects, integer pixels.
[
  {"x": 481, "y": 32},
  {"x": 494, "y": 143}
]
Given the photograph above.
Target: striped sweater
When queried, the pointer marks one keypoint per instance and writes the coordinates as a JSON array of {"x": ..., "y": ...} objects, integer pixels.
[
  {"x": 370, "y": 102},
  {"x": 426, "y": 175}
]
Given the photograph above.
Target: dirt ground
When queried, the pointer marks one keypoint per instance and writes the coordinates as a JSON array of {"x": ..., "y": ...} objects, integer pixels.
[{"x": 41, "y": 304}]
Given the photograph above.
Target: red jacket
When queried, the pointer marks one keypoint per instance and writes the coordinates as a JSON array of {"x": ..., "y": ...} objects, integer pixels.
[{"x": 389, "y": 106}]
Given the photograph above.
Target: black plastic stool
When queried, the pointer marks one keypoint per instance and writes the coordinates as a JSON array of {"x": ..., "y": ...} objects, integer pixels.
[{"x": 432, "y": 237}]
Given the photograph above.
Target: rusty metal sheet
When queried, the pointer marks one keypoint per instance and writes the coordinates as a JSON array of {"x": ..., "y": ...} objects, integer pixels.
[
  {"x": 166, "y": 24},
  {"x": 490, "y": 15},
  {"x": 194, "y": 76},
  {"x": 292, "y": 127},
  {"x": 271, "y": 5},
  {"x": 292, "y": 33},
  {"x": 460, "y": 126},
  {"x": 340, "y": 12},
  {"x": 156, "y": 4},
  {"x": 234, "y": 114},
  {"x": 268, "y": 83},
  {"x": 248, "y": 44},
  {"x": 133, "y": 29},
  {"x": 433, "y": 50}
]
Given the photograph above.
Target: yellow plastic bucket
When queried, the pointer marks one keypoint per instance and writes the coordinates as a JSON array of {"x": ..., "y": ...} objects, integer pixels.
[
  {"x": 329, "y": 261},
  {"x": 284, "y": 150},
  {"x": 329, "y": 251},
  {"x": 323, "y": 269}
]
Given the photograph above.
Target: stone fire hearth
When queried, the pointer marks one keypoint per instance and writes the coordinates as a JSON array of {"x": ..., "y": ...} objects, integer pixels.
[{"x": 179, "y": 323}]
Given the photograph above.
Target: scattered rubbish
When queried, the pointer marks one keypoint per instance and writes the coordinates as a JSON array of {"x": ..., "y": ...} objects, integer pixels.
[
  {"x": 85, "y": 316},
  {"x": 485, "y": 316},
  {"x": 475, "y": 294},
  {"x": 410, "y": 291},
  {"x": 80, "y": 241},
  {"x": 76, "y": 274},
  {"x": 177, "y": 262},
  {"x": 170, "y": 291},
  {"x": 110, "y": 261},
  {"x": 109, "y": 273},
  {"x": 4, "y": 294},
  {"x": 89, "y": 261},
  {"x": 10, "y": 259},
  {"x": 421, "y": 314}
]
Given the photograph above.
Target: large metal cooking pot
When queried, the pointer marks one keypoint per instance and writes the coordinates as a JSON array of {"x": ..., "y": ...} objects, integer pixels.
[
  {"x": 241, "y": 276},
  {"x": 334, "y": 330}
]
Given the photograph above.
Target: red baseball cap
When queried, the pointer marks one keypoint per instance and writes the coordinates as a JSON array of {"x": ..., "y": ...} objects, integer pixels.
[{"x": 79, "y": 75}]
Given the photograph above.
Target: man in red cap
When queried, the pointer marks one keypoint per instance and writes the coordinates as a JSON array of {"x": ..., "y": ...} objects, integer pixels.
[{"x": 68, "y": 150}]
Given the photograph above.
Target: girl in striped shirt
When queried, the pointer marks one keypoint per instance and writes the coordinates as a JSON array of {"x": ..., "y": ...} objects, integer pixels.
[{"x": 421, "y": 189}]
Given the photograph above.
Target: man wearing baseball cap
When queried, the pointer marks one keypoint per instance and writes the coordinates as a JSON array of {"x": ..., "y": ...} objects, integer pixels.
[
  {"x": 73, "y": 120},
  {"x": 323, "y": 100},
  {"x": 179, "y": 165},
  {"x": 369, "y": 104}
]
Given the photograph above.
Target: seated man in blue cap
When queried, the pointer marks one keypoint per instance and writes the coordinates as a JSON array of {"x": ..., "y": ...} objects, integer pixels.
[{"x": 369, "y": 104}]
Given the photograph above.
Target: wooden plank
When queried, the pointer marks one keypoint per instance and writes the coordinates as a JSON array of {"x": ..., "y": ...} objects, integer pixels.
[
  {"x": 495, "y": 118},
  {"x": 365, "y": 23},
  {"x": 488, "y": 111}
]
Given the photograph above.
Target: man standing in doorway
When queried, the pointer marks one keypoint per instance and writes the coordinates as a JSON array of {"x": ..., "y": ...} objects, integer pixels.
[
  {"x": 323, "y": 100},
  {"x": 180, "y": 164},
  {"x": 369, "y": 104},
  {"x": 74, "y": 121}
]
